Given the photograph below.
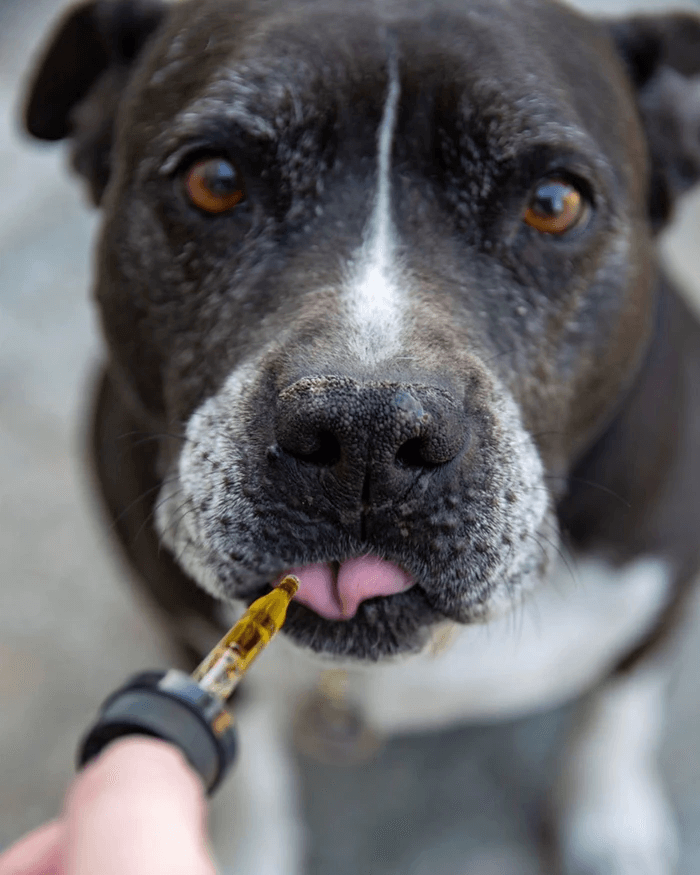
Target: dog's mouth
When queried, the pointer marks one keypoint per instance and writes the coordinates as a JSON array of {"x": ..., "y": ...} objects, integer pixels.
[
  {"x": 335, "y": 590},
  {"x": 363, "y": 607},
  {"x": 457, "y": 542}
]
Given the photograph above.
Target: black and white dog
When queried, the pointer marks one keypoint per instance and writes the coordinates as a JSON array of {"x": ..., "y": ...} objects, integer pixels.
[{"x": 380, "y": 291}]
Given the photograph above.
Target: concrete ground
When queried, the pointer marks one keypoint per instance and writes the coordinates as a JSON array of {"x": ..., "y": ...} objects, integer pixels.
[{"x": 71, "y": 629}]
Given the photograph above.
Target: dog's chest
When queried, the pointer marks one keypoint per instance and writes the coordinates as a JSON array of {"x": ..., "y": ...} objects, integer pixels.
[{"x": 560, "y": 641}]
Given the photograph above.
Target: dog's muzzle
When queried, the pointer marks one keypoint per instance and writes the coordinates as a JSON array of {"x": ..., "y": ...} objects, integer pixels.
[{"x": 373, "y": 440}]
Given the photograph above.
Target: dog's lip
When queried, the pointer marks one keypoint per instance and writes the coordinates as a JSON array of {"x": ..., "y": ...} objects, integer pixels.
[
  {"x": 267, "y": 583},
  {"x": 334, "y": 590}
]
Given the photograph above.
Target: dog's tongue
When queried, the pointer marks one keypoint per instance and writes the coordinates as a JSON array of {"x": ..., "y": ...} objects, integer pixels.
[{"x": 337, "y": 598}]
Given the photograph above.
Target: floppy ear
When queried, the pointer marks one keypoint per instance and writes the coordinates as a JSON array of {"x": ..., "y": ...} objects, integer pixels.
[
  {"x": 78, "y": 83},
  {"x": 662, "y": 55}
]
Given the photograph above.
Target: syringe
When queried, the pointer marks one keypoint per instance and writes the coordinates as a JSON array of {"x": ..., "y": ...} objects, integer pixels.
[{"x": 188, "y": 710}]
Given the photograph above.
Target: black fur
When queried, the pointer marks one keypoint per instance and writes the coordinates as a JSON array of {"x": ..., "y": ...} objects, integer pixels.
[{"x": 492, "y": 101}]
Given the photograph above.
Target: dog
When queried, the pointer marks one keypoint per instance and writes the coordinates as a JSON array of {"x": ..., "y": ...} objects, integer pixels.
[{"x": 383, "y": 308}]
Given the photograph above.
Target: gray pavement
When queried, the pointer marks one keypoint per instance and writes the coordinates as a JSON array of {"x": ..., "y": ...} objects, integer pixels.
[{"x": 71, "y": 628}]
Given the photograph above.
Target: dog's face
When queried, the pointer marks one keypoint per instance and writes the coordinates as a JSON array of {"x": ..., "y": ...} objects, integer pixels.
[{"x": 386, "y": 268}]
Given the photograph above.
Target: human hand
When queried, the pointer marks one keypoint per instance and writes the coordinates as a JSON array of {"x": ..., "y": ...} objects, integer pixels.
[{"x": 138, "y": 809}]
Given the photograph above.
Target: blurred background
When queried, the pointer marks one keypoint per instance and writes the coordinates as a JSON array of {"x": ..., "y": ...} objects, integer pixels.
[{"x": 71, "y": 628}]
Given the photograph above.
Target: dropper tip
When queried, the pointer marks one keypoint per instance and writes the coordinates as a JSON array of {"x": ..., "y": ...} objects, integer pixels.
[{"x": 289, "y": 584}]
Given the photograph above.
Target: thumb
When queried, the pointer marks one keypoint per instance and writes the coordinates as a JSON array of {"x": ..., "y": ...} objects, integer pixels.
[{"x": 139, "y": 809}]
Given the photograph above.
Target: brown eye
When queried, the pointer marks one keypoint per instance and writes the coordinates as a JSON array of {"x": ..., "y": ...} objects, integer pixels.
[
  {"x": 556, "y": 207},
  {"x": 214, "y": 185}
]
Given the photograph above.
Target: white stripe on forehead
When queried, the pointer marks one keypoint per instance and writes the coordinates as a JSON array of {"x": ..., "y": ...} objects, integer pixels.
[{"x": 372, "y": 291}]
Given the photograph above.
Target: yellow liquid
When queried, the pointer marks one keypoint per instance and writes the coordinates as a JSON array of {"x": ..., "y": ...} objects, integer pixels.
[{"x": 221, "y": 671}]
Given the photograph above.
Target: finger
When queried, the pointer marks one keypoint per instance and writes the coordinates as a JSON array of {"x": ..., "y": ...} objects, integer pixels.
[
  {"x": 37, "y": 853},
  {"x": 137, "y": 810}
]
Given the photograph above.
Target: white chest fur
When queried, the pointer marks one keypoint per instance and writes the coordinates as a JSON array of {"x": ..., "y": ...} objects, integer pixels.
[{"x": 565, "y": 637}]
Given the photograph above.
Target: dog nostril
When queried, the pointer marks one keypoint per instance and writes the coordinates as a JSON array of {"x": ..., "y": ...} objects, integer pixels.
[
  {"x": 326, "y": 454},
  {"x": 410, "y": 455}
]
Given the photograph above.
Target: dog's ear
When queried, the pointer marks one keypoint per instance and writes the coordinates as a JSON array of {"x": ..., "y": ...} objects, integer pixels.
[
  {"x": 78, "y": 82},
  {"x": 662, "y": 55}
]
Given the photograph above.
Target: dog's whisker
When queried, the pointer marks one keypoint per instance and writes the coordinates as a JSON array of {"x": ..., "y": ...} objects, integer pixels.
[
  {"x": 173, "y": 525},
  {"x": 178, "y": 515},
  {"x": 498, "y": 355},
  {"x": 186, "y": 544},
  {"x": 516, "y": 603},
  {"x": 156, "y": 437},
  {"x": 146, "y": 436},
  {"x": 556, "y": 546},
  {"x": 140, "y": 498},
  {"x": 584, "y": 482},
  {"x": 547, "y": 433},
  {"x": 158, "y": 504}
]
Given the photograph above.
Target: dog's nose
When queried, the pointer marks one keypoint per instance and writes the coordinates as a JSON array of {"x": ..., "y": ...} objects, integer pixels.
[{"x": 386, "y": 432}]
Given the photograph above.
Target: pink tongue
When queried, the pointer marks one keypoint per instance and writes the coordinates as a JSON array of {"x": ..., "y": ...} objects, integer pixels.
[{"x": 358, "y": 579}]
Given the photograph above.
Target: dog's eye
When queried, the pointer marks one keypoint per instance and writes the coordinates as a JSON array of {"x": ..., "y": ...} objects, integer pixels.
[
  {"x": 556, "y": 207},
  {"x": 214, "y": 185}
]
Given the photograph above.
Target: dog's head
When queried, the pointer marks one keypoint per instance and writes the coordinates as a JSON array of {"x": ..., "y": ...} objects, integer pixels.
[{"x": 386, "y": 266}]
